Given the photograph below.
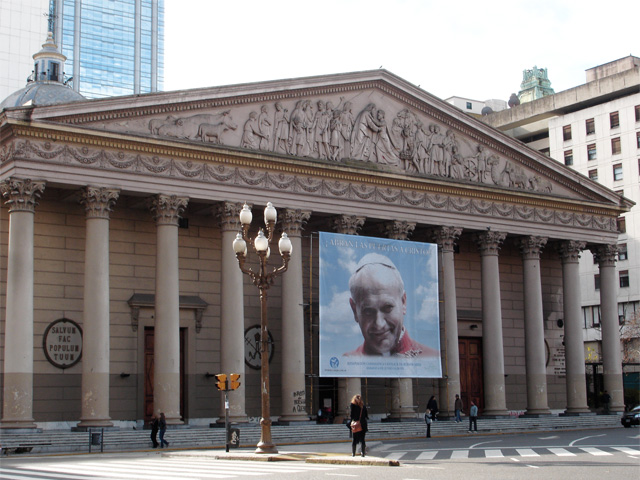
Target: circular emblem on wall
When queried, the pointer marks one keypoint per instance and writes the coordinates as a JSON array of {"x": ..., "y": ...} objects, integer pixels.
[
  {"x": 252, "y": 357},
  {"x": 62, "y": 343}
]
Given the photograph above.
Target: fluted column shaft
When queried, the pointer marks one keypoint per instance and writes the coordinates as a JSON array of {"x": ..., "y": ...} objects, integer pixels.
[
  {"x": 98, "y": 203},
  {"x": 402, "y": 403},
  {"x": 232, "y": 312},
  {"x": 611, "y": 348},
  {"x": 537, "y": 403},
  {"x": 348, "y": 225},
  {"x": 573, "y": 339},
  {"x": 294, "y": 400},
  {"x": 21, "y": 196},
  {"x": 446, "y": 238},
  {"x": 166, "y": 354},
  {"x": 492, "y": 343}
]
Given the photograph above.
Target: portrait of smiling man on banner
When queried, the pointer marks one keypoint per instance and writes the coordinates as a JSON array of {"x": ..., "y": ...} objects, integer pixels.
[{"x": 378, "y": 308}]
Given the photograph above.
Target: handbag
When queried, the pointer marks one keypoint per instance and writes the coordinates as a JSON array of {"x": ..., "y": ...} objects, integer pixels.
[{"x": 356, "y": 426}]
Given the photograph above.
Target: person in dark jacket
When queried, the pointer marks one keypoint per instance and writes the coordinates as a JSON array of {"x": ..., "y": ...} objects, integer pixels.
[
  {"x": 432, "y": 405},
  {"x": 154, "y": 431},
  {"x": 358, "y": 413},
  {"x": 163, "y": 428}
]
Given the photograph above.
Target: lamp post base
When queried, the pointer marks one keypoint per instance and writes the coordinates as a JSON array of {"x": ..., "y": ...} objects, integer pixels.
[{"x": 266, "y": 448}]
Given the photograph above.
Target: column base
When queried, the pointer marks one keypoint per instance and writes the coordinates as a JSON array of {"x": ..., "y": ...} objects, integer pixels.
[
  {"x": 577, "y": 413},
  {"x": 97, "y": 423},
  {"x": 537, "y": 413}
]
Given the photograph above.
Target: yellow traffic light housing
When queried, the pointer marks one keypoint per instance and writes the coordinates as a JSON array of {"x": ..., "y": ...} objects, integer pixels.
[
  {"x": 221, "y": 381},
  {"x": 233, "y": 381}
]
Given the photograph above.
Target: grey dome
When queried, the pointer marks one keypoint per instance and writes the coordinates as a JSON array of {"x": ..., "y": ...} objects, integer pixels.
[
  {"x": 487, "y": 111},
  {"x": 41, "y": 94}
]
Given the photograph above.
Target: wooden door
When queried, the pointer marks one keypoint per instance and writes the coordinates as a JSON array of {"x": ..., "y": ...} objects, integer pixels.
[
  {"x": 148, "y": 372},
  {"x": 471, "y": 372}
]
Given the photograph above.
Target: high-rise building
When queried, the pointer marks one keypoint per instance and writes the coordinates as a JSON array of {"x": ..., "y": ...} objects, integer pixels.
[{"x": 113, "y": 47}]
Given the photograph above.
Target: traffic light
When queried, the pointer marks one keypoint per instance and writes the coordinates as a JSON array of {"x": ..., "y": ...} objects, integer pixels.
[
  {"x": 233, "y": 381},
  {"x": 221, "y": 381}
]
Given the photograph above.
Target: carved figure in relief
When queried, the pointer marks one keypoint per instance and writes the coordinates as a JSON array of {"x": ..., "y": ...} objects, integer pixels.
[
  {"x": 281, "y": 129},
  {"x": 457, "y": 164},
  {"x": 516, "y": 175},
  {"x": 347, "y": 121},
  {"x": 481, "y": 162},
  {"x": 297, "y": 129},
  {"x": 449, "y": 143},
  {"x": 213, "y": 133},
  {"x": 539, "y": 184},
  {"x": 421, "y": 157},
  {"x": 364, "y": 129},
  {"x": 385, "y": 153},
  {"x": 436, "y": 150},
  {"x": 321, "y": 132},
  {"x": 251, "y": 133},
  {"x": 336, "y": 142},
  {"x": 156, "y": 123},
  {"x": 265, "y": 128}
]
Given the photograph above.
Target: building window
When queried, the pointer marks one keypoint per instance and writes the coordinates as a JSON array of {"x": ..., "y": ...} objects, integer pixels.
[
  {"x": 622, "y": 252},
  {"x": 591, "y": 126},
  {"x": 614, "y": 119},
  {"x": 591, "y": 316},
  {"x": 566, "y": 132},
  {"x": 596, "y": 282},
  {"x": 469, "y": 106},
  {"x": 593, "y": 174},
  {"x": 638, "y": 139},
  {"x": 568, "y": 157},
  {"x": 622, "y": 225},
  {"x": 592, "y": 153},
  {"x": 637, "y": 113},
  {"x": 615, "y": 146},
  {"x": 617, "y": 171},
  {"x": 624, "y": 278}
]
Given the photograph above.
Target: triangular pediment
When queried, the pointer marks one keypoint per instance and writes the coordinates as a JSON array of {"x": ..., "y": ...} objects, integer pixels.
[{"x": 367, "y": 119}]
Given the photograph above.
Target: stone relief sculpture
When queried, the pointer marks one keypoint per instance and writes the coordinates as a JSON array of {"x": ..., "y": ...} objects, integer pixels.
[{"x": 401, "y": 140}]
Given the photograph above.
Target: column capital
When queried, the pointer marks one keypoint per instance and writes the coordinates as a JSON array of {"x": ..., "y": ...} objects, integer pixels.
[
  {"x": 22, "y": 194},
  {"x": 293, "y": 221},
  {"x": 228, "y": 217},
  {"x": 398, "y": 229},
  {"x": 489, "y": 242},
  {"x": 446, "y": 237},
  {"x": 531, "y": 246},
  {"x": 98, "y": 201},
  {"x": 570, "y": 250},
  {"x": 606, "y": 255},
  {"x": 166, "y": 209},
  {"x": 348, "y": 224}
]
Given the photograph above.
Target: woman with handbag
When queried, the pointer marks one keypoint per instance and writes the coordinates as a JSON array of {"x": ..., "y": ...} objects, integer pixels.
[{"x": 359, "y": 417}]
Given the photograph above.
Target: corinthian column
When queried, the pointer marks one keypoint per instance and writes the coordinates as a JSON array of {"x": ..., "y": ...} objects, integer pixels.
[
  {"x": 492, "y": 345},
  {"x": 166, "y": 353},
  {"x": 98, "y": 202},
  {"x": 347, "y": 387},
  {"x": 232, "y": 312},
  {"x": 294, "y": 400},
  {"x": 402, "y": 404},
  {"x": 534, "y": 326},
  {"x": 611, "y": 355},
  {"x": 446, "y": 238},
  {"x": 21, "y": 197},
  {"x": 573, "y": 341}
]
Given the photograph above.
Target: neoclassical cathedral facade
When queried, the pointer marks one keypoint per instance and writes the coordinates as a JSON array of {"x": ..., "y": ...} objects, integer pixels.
[{"x": 121, "y": 293}]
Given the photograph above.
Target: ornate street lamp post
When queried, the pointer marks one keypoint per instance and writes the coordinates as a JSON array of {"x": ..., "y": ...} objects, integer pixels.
[{"x": 263, "y": 280}]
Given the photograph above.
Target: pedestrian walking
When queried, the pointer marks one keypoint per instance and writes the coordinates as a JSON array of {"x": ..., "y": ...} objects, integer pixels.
[
  {"x": 162, "y": 424},
  {"x": 473, "y": 417},
  {"x": 154, "y": 431},
  {"x": 359, "y": 424},
  {"x": 606, "y": 399},
  {"x": 432, "y": 405},
  {"x": 427, "y": 419},
  {"x": 458, "y": 408}
]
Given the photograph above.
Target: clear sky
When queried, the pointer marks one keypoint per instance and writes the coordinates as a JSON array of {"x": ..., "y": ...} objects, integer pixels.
[{"x": 473, "y": 49}]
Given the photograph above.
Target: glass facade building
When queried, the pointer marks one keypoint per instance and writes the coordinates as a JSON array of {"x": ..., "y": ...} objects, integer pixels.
[{"x": 113, "y": 47}]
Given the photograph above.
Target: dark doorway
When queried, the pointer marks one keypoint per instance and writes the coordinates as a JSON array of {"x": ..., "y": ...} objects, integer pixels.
[
  {"x": 148, "y": 372},
  {"x": 471, "y": 372}
]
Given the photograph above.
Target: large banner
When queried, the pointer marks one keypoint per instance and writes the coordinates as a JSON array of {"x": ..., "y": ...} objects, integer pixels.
[{"x": 378, "y": 308}]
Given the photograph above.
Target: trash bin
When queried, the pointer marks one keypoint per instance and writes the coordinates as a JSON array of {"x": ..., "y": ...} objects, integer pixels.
[
  {"x": 234, "y": 437},
  {"x": 96, "y": 438}
]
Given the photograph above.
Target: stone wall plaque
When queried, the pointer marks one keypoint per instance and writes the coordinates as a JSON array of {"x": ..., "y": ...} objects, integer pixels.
[{"x": 62, "y": 343}]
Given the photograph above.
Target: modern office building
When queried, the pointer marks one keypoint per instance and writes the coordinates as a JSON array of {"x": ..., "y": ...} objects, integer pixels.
[
  {"x": 594, "y": 129},
  {"x": 121, "y": 295},
  {"x": 113, "y": 47}
]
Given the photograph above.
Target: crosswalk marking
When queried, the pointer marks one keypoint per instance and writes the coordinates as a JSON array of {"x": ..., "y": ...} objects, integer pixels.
[
  {"x": 595, "y": 451},
  {"x": 561, "y": 452},
  {"x": 459, "y": 454},
  {"x": 396, "y": 455},
  {"x": 427, "y": 455},
  {"x": 493, "y": 454},
  {"x": 627, "y": 450},
  {"x": 526, "y": 452}
]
